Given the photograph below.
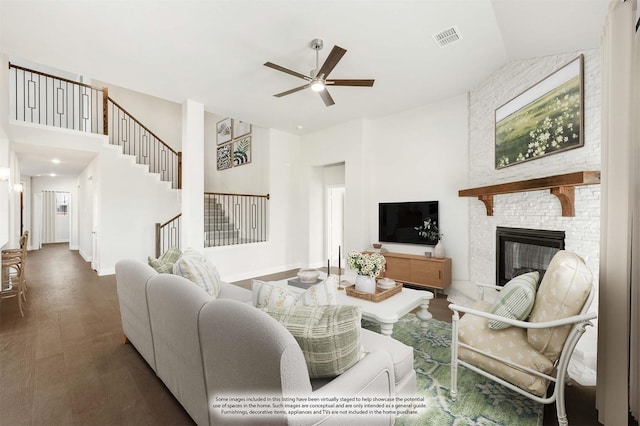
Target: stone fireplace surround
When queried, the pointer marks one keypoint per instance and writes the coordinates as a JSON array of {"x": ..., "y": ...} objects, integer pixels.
[{"x": 536, "y": 209}]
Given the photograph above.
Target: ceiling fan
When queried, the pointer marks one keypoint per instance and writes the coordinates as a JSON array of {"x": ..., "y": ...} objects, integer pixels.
[{"x": 317, "y": 79}]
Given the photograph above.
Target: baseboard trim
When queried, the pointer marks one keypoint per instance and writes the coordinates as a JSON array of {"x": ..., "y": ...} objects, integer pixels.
[{"x": 85, "y": 256}]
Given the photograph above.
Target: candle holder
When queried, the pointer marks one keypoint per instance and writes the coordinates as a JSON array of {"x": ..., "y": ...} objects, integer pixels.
[{"x": 340, "y": 286}]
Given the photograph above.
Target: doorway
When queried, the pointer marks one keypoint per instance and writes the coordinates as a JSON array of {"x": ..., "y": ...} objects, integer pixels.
[{"x": 335, "y": 224}]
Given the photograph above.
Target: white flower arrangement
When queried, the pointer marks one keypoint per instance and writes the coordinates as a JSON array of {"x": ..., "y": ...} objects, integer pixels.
[{"x": 371, "y": 264}]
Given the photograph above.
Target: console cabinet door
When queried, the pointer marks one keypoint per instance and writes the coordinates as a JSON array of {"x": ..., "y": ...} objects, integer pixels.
[
  {"x": 398, "y": 268},
  {"x": 429, "y": 273}
]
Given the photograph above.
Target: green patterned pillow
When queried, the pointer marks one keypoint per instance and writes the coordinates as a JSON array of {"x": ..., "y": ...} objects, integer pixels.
[
  {"x": 329, "y": 335},
  {"x": 198, "y": 269},
  {"x": 164, "y": 264},
  {"x": 515, "y": 300}
]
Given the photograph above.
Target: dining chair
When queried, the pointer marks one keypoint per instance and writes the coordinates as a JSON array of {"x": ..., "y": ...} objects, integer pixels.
[
  {"x": 11, "y": 280},
  {"x": 22, "y": 253}
]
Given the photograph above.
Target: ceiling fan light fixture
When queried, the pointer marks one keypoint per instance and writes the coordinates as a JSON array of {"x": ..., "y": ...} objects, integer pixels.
[{"x": 317, "y": 86}]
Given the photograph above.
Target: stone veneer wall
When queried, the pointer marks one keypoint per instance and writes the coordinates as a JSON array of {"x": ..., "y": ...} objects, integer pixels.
[{"x": 535, "y": 209}]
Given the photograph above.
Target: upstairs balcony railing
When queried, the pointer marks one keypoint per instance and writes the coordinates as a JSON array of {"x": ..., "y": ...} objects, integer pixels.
[{"x": 41, "y": 98}]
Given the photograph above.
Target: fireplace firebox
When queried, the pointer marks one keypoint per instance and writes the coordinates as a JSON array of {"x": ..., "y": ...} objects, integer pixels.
[{"x": 520, "y": 250}]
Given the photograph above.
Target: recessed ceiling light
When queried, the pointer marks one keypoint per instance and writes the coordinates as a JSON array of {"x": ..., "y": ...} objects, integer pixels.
[
  {"x": 299, "y": 127},
  {"x": 52, "y": 174},
  {"x": 55, "y": 161}
]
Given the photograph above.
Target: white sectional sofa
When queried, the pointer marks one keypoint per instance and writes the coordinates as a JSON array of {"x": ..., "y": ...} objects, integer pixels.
[{"x": 204, "y": 348}]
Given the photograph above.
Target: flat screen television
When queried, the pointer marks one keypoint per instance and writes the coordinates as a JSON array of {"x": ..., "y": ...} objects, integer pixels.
[{"x": 397, "y": 221}]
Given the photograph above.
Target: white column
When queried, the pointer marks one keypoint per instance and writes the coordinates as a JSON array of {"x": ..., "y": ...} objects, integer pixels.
[{"x": 192, "y": 232}]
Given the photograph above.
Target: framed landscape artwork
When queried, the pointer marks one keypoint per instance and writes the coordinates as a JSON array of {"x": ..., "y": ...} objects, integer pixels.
[
  {"x": 223, "y": 157},
  {"x": 242, "y": 151},
  {"x": 545, "y": 119},
  {"x": 224, "y": 131}
]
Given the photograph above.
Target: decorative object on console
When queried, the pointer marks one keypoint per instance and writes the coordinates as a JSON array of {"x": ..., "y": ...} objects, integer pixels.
[
  {"x": 377, "y": 245},
  {"x": 429, "y": 231},
  {"x": 439, "y": 251},
  {"x": 241, "y": 128},
  {"x": 224, "y": 131},
  {"x": 223, "y": 159},
  {"x": 545, "y": 119},
  {"x": 242, "y": 151}
]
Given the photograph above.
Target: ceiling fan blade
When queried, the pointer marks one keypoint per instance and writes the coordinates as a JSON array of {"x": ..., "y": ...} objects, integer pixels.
[
  {"x": 288, "y": 92},
  {"x": 332, "y": 60},
  {"x": 286, "y": 70},
  {"x": 366, "y": 83},
  {"x": 326, "y": 97}
]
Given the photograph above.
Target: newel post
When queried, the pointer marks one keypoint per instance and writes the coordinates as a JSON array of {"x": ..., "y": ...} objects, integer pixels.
[
  {"x": 180, "y": 170},
  {"x": 105, "y": 111}
]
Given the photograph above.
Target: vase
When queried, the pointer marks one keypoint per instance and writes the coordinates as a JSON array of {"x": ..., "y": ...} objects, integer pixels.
[
  {"x": 365, "y": 283},
  {"x": 438, "y": 250}
]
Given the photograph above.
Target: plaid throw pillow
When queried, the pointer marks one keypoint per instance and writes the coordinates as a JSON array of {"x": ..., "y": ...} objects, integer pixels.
[
  {"x": 329, "y": 336},
  {"x": 515, "y": 300},
  {"x": 164, "y": 264}
]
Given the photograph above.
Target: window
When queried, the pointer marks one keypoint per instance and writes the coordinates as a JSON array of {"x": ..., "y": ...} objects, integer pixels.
[{"x": 62, "y": 203}]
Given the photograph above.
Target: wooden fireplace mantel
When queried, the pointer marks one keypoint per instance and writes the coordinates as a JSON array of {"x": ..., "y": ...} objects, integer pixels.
[{"x": 562, "y": 186}]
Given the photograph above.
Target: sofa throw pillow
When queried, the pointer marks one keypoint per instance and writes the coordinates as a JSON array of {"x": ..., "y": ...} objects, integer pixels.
[
  {"x": 329, "y": 336},
  {"x": 268, "y": 294},
  {"x": 515, "y": 300},
  {"x": 198, "y": 269},
  {"x": 164, "y": 264}
]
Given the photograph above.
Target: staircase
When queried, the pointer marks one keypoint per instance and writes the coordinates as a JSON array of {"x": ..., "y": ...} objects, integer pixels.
[{"x": 218, "y": 229}]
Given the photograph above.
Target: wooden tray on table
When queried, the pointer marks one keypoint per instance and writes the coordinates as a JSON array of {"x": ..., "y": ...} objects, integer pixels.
[{"x": 376, "y": 297}]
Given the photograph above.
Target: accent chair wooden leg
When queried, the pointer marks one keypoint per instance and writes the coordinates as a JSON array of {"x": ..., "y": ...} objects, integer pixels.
[{"x": 125, "y": 340}]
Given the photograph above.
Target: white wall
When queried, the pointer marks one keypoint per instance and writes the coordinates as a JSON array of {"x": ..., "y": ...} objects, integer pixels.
[
  {"x": 339, "y": 144},
  {"x": 4, "y": 153},
  {"x": 421, "y": 155},
  {"x": 86, "y": 197},
  {"x": 131, "y": 201},
  {"x": 536, "y": 209},
  {"x": 249, "y": 178}
]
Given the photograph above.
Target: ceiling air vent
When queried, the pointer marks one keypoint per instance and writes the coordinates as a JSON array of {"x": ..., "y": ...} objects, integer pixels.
[{"x": 447, "y": 36}]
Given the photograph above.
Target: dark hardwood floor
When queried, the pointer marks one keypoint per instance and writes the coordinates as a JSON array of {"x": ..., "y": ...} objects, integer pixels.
[{"x": 65, "y": 363}]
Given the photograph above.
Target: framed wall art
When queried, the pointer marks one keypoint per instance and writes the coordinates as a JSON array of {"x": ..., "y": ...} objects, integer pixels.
[
  {"x": 241, "y": 128},
  {"x": 224, "y": 131},
  {"x": 242, "y": 151},
  {"x": 545, "y": 119},
  {"x": 223, "y": 157}
]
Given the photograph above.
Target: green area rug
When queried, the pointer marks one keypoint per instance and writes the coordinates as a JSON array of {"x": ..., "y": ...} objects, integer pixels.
[{"x": 480, "y": 401}]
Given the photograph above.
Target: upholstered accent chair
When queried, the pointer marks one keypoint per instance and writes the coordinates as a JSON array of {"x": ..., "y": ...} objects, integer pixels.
[{"x": 527, "y": 354}]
